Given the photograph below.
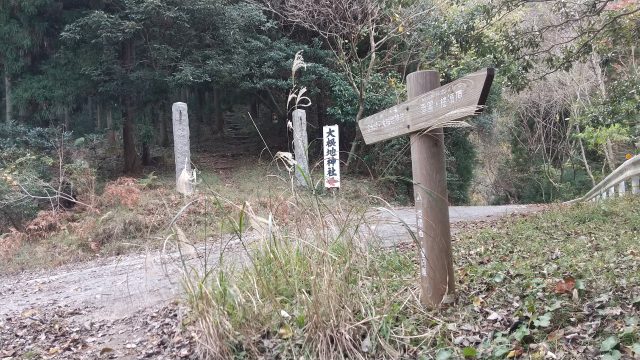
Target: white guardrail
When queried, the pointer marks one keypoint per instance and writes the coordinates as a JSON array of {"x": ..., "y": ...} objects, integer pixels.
[{"x": 628, "y": 172}]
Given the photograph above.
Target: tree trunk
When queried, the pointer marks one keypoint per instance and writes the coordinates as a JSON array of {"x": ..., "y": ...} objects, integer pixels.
[
  {"x": 584, "y": 160},
  {"x": 99, "y": 117},
  {"x": 320, "y": 114},
  {"x": 146, "y": 154},
  {"x": 161, "y": 125},
  {"x": 131, "y": 160},
  {"x": 254, "y": 108},
  {"x": 166, "y": 123},
  {"x": 200, "y": 118},
  {"x": 203, "y": 97},
  {"x": 111, "y": 134},
  {"x": 66, "y": 119},
  {"x": 358, "y": 137},
  {"x": 608, "y": 153},
  {"x": 219, "y": 118},
  {"x": 7, "y": 95}
]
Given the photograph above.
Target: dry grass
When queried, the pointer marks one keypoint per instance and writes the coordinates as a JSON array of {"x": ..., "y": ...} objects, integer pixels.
[
  {"x": 306, "y": 290},
  {"x": 563, "y": 284},
  {"x": 133, "y": 215}
]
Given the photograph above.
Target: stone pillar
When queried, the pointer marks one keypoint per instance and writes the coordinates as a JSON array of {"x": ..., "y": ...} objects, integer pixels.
[
  {"x": 182, "y": 148},
  {"x": 300, "y": 146},
  {"x": 622, "y": 188}
]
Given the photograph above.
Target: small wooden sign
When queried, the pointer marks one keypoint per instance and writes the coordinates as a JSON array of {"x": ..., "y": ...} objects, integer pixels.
[
  {"x": 331, "y": 142},
  {"x": 456, "y": 100}
]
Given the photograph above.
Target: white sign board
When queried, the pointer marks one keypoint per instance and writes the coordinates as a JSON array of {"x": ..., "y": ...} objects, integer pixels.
[{"x": 331, "y": 156}]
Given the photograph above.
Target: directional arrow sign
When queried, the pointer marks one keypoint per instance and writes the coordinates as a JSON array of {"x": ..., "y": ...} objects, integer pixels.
[{"x": 454, "y": 101}]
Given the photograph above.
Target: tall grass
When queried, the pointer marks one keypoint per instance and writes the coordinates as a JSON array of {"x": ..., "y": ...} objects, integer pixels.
[{"x": 307, "y": 283}]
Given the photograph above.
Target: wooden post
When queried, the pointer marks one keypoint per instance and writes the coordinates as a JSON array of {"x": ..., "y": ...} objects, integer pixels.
[
  {"x": 635, "y": 185},
  {"x": 300, "y": 146},
  {"x": 182, "y": 148},
  {"x": 432, "y": 206},
  {"x": 430, "y": 107}
]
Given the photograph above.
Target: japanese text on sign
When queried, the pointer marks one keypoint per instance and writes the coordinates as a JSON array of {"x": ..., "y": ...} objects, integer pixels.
[{"x": 331, "y": 156}]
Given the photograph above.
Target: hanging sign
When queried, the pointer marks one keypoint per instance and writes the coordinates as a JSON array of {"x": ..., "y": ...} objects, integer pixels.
[{"x": 331, "y": 156}]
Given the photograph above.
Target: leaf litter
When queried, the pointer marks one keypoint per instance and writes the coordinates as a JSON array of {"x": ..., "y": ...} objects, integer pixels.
[{"x": 64, "y": 333}]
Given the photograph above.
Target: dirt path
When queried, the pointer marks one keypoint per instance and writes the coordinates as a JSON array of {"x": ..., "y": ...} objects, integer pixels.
[{"x": 116, "y": 307}]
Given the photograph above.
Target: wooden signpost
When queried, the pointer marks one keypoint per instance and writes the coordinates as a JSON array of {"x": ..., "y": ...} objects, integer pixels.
[{"x": 429, "y": 108}]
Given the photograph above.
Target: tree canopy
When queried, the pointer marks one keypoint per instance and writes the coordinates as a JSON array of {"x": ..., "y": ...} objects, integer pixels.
[{"x": 566, "y": 92}]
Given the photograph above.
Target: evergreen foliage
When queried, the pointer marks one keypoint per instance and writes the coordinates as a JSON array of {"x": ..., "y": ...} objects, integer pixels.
[{"x": 114, "y": 67}]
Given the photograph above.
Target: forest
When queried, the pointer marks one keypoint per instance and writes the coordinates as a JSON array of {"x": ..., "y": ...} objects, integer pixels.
[
  {"x": 88, "y": 88},
  {"x": 113, "y": 246}
]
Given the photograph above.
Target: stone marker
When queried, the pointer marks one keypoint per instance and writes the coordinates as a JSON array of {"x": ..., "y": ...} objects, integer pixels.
[
  {"x": 300, "y": 146},
  {"x": 182, "y": 148}
]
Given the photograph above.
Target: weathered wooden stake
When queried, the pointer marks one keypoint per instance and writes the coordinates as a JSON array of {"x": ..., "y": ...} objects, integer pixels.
[
  {"x": 300, "y": 145},
  {"x": 182, "y": 148},
  {"x": 432, "y": 206}
]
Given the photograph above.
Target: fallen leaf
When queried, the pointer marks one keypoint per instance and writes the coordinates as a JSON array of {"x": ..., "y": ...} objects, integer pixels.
[
  {"x": 501, "y": 351},
  {"x": 514, "y": 353},
  {"x": 106, "y": 350},
  {"x": 614, "y": 311},
  {"x": 543, "y": 320},
  {"x": 494, "y": 316},
  {"x": 444, "y": 354},
  {"x": 565, "y": 286},
  {"x": 477, "y": 301},
  {"x": 609, "y": 344},
  {"x": 29, "y": 313},
  {"x": 555, "y": 335},
  {"x": 614, "y": 355},
  {"x": 285, "y": 332}
]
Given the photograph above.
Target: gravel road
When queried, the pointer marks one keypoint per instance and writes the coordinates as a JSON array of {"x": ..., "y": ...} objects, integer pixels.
[{"x": 113, "y": 289}]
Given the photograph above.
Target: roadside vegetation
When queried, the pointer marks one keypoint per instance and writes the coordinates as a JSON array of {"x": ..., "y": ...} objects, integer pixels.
[
  {"x": 560, "y": 284},
  {"x": 123, "y": 215}
]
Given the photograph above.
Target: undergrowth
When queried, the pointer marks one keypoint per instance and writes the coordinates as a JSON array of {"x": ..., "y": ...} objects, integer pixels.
[
  {"x": 132, "y": 215},
  {"x": 563, "y": 284}
]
